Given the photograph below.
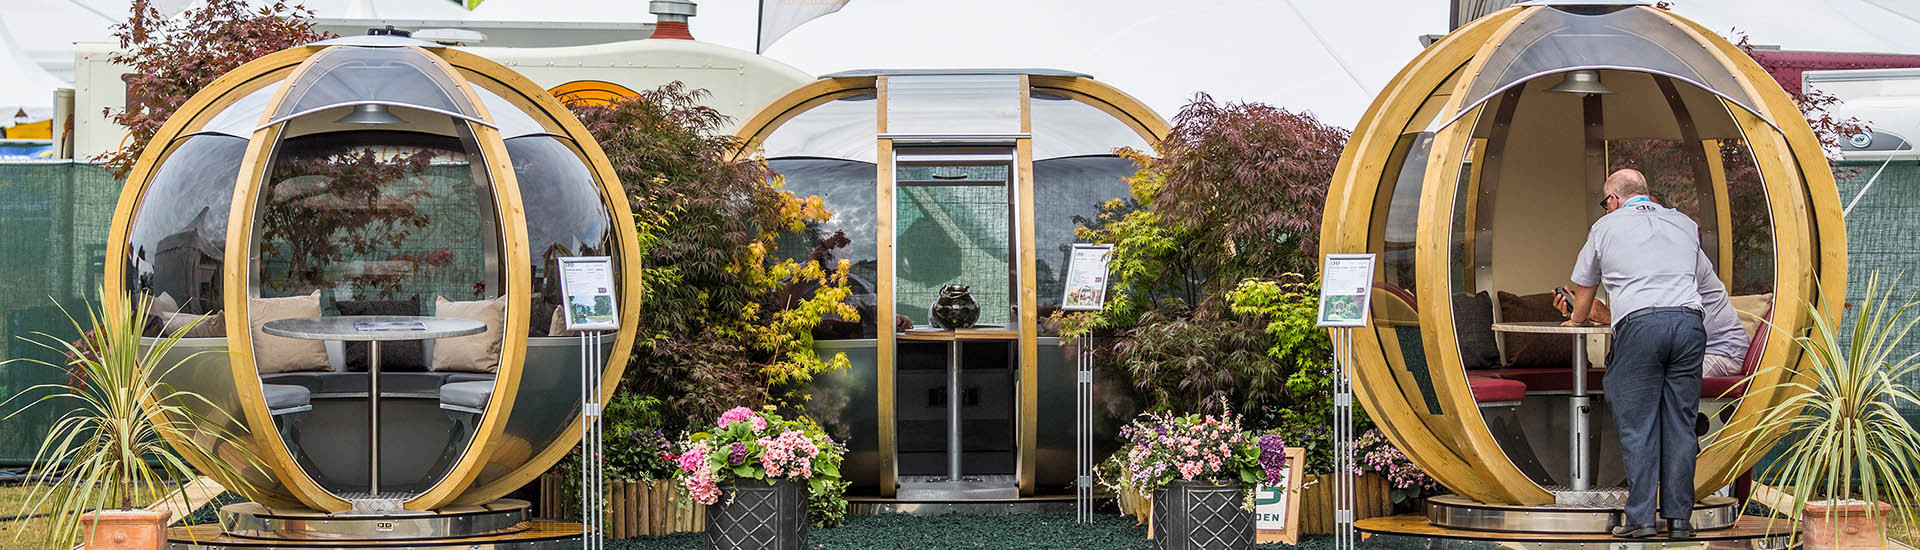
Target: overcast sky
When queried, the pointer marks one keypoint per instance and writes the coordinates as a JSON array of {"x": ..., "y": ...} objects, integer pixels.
[{"x": 1325, "y": 56}]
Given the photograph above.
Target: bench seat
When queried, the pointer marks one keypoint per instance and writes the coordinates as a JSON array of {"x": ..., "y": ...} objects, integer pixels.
[
  {"x": 470, "y": 396},
  {"x": 287, "y": 398},
  {"x": 1487, "y": 389},
  {"x": 341, "y": 384}
]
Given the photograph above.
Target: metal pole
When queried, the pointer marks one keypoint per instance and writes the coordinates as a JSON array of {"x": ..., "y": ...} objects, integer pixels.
[
  {"x": 1343, "y": 439},
  {"x": 373, "y": 419},
  {"x": 953, "y": 411},
  {"x": 586, "y": 408},
  {"x": 1581, "y": 481}
]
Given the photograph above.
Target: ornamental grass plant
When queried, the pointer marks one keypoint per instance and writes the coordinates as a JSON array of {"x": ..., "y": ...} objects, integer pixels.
[
  {"x": 123, "y": 439},
  {"x": 1845, "y": 438}
]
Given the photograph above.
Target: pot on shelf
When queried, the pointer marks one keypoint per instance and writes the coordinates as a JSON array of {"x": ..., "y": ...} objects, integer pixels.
[
  {"x": 1848, "y": 526},
  {"x": 955, "y": 308},
  {"x": 1201, "y": 515},
  {"x": 753, "y": 515},
  {"x": 125, "y": 529}
]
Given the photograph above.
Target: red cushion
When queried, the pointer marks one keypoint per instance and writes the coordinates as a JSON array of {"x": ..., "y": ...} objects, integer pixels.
[
  {"x": 1551, "y": 378},
  {"x": 1715, "y": 387},
  {"x": 1487, "y": 389}
]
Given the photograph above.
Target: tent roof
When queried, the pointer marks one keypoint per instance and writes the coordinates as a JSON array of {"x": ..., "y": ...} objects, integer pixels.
[{"x": 23, "y": 84}]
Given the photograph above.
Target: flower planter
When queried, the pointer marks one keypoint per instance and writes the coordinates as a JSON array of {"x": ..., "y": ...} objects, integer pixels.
[
  {"x": 752, "y": 515},
  {"x": 1195, "y": 515},
  {"x": 1848, "y": 527},
  {"x": 125, "y": 529}
]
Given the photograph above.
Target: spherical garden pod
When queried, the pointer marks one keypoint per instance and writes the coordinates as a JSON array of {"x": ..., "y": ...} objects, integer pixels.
[
  {"x": 377, "y": 175},
  {"x": 1475, "y": 176}
]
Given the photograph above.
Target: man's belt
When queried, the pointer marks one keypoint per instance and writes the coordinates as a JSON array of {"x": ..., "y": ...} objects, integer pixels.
[{"x": 1659, "y": 309}]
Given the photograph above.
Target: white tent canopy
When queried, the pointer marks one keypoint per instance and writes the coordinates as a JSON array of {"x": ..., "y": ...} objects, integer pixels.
[{"x": 23, "y": 84}]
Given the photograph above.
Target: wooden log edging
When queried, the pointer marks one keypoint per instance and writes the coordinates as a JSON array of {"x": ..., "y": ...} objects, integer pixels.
[{"x": 635, "y": 508}]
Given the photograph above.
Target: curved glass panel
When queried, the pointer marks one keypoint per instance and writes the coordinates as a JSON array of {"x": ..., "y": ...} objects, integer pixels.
[
  {"x": 388, "y": 223},
  {"x": 1562, "y": 38},
  {"x": 841, "y": 129},
  {"x": 243, "y": 116},
  {"x": 1066, "y": 127},
  {"x": 177, "y": 242},
  {"x": 346, "y": 74},
  {"x": 828, "y": 151},
  {"x": 507, "y": 117},
  {"x": 953, "y": 104},
  {"x": 565, "y": 217}
]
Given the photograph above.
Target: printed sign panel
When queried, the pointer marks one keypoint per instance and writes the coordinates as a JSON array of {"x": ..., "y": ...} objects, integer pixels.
[
  {"x": 1344, "y": 281},
  {"x": 587, "y": 284}
]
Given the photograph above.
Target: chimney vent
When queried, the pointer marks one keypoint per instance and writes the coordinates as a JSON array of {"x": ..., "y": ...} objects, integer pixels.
[{"x": 671, "y": 17}]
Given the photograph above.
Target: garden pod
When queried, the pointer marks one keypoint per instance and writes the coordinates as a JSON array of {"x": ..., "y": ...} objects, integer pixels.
[
  {"x": 1478, "y": 169},
  {"x": 377, "y": 175},
  {"x": 972, "y": 176}
]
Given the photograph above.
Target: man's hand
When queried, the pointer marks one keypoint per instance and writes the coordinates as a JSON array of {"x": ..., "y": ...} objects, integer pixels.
[
  {"x": 1573, "y": 323},
  {"x": 1599, "y": 313}
]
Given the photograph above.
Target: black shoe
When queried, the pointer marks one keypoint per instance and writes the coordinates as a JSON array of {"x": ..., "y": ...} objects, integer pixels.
[
  {"x": 1679, "y": 529},
  {"x": 1635, "y": 531}
]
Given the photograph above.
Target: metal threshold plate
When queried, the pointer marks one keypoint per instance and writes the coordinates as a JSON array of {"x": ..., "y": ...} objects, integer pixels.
[
  {"x": 1454, "y": 512},
  {"x": 253, "y": 521},
  {"x": 963, "y": 489}
]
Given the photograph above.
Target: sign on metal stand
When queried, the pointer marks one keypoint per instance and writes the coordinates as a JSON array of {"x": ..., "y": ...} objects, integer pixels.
[
  {"x": 1086, "y": 290},
  {"x": 586, "y": 286},
  {"x": 1346, "y": 282}
]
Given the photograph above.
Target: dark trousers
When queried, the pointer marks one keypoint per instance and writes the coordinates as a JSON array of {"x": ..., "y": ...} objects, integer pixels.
[{"x": 1653, "y": 389}]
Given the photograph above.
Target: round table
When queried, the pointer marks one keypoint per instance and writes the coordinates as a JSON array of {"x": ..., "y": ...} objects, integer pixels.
[
  {"x": 1581, "y": 478},
  {"x": 373, "y": 329}
]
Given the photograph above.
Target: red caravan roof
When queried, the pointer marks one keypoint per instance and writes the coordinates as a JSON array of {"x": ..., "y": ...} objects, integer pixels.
[{"x": 1786, "y": 66}]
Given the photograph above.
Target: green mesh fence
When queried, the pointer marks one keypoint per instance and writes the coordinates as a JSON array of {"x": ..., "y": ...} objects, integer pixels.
[
  {"x": 53, "y": 226},
  {"x": 1880, "y": 231},
  {"x": 952, "y": 235}
]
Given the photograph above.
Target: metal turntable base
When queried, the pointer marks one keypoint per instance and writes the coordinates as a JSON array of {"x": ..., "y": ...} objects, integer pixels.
[
  {"x": 1412, "y": 531},
  {"x": 1586, "y": 512},
  {"x": 499, "y": 525}
]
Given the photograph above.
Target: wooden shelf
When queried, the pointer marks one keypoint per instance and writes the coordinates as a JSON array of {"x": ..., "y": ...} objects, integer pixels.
[{"x": 963, "y": 335}]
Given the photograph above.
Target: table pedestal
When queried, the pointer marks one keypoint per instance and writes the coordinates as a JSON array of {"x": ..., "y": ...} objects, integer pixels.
[{"x": 1582, "y": 460}]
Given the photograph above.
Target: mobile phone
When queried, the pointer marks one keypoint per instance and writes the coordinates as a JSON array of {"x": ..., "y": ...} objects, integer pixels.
[{"x": 1567, "y": 307}]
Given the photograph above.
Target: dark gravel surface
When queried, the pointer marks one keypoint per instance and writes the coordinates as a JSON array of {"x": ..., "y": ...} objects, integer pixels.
[{"x": 1021, "y": 531}]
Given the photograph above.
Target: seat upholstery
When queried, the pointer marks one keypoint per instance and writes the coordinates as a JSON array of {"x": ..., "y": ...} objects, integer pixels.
[
  {"x": 1551, "y": 379},
  {"x": 470, "y": 396},
  {"x": 1487, "y": 389},
  {"x": 286, "y": 398},
  {"x": 336, "y": 383}
]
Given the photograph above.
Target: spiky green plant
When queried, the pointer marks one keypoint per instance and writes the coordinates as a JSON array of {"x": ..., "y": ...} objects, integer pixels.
[
  {"x": 108, "y": 449},
  {"x": 1845, "y": 437}
]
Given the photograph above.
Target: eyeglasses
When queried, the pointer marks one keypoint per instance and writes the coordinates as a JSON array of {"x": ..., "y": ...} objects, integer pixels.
[{"x": 1603, "y": 201}]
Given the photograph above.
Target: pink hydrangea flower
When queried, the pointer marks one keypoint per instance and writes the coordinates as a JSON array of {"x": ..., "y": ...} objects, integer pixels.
[{"x": 737, "y": 414}]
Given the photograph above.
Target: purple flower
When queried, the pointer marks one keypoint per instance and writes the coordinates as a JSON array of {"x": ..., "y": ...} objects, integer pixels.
[
  {"x": 738, "y": 455},
  {"x": 1273, "y": 458}
]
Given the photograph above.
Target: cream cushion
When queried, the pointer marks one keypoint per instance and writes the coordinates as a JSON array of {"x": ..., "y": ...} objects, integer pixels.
[
  {"x": 1750, "y": 308},
  {"x": 212, "y": 325},
  {"x": 275, "y": 354},
  {"x": 476, "y": 353}
]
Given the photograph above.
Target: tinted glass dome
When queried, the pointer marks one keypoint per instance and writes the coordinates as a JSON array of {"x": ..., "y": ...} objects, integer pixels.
[{"x": 377, "y": 176}]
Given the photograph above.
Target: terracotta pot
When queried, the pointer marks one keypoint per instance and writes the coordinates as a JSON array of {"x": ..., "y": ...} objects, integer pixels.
[
  {"x": 1848, "y": 527},
  {"x": 125, "y": 529}
]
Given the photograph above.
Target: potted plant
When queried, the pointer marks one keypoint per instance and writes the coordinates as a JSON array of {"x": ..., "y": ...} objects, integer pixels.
[
  {"x": 1850, "y": 459},
  {"x": 1201, "y": 471},
  {"x": 755, "y": 472},
  {"x": 108, "y": 456}
]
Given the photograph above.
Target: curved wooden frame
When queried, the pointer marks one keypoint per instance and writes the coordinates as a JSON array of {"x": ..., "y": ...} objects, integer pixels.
[
  {"x": 294, "y": 483},
  {"x": 1456, "y": 446},
  {"x": 1123, "y": 107}
]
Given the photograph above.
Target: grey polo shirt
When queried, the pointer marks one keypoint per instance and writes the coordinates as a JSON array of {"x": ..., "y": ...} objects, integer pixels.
[
  {"x": 1724, "y": 334},
  {"x": 1645, "y": 254}
]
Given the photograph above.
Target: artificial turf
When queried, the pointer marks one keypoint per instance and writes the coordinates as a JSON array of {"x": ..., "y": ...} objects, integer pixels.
[{"x": 999, "y": 532}]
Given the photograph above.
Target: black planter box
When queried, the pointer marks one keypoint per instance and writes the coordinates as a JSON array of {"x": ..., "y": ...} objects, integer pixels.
[
  {"x": 753, "y": 515},
  {"x": 1197, "y": 515}
]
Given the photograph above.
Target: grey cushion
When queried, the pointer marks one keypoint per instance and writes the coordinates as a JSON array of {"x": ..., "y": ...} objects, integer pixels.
[
  {"x": 468, "y": 395},
  {"x": 1473, "y": 318},
  {"x": 285, "y": 397},
  {"x": 427, "y": 383}
]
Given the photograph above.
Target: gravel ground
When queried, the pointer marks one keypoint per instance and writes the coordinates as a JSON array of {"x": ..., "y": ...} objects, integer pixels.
[{"x": 1002, "y": 532}]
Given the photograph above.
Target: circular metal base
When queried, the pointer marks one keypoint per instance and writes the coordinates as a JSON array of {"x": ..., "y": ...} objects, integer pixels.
[
  {"x": 253, "y": 521},
  {"x": 1588, "y": 517},
  {"x": 539, "y": 535},
  {"x": 1413, "y": 531}
]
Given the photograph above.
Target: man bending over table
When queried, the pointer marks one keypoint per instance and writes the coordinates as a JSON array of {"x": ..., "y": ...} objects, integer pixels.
[{"x": 1647, "y": 256}]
